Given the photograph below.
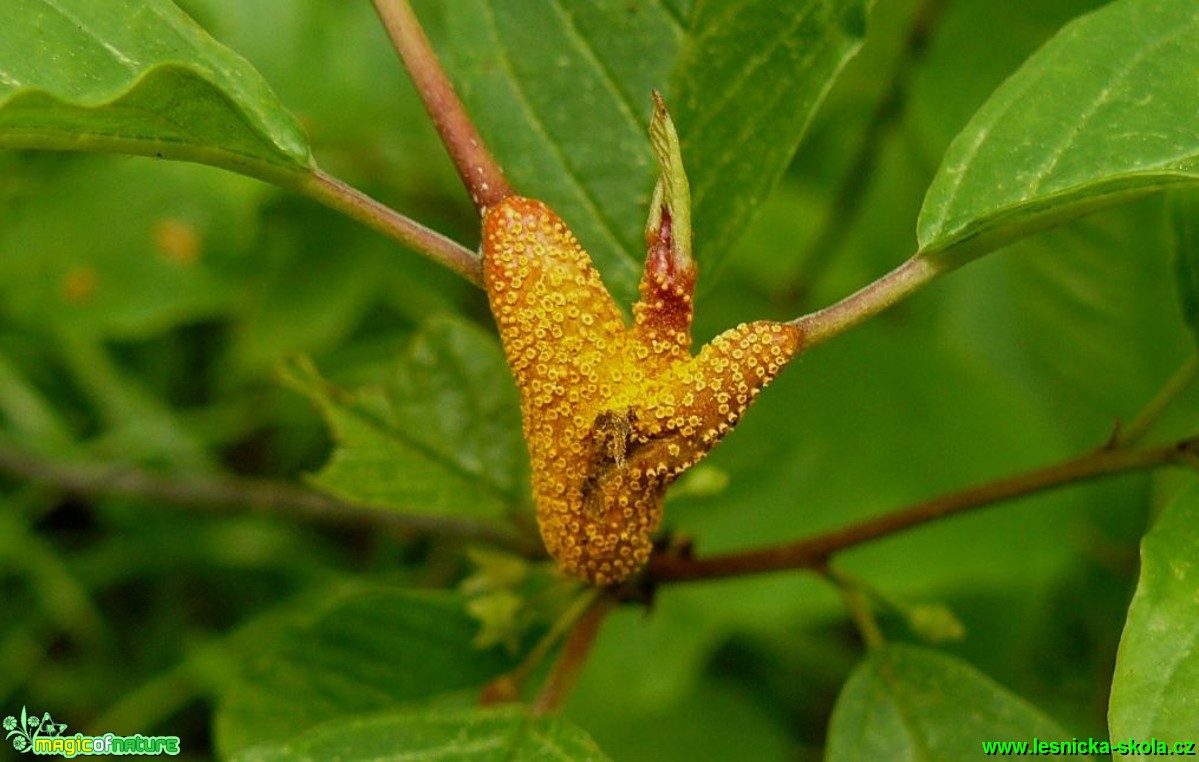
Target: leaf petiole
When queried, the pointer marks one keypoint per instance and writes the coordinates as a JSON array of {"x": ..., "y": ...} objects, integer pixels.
[
  {"x": 355, "y": 204},
  {"x": 817, "y": 327}
]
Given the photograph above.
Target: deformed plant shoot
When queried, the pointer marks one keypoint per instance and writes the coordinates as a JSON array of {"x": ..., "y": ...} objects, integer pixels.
[{"x": 613, "y": 415}]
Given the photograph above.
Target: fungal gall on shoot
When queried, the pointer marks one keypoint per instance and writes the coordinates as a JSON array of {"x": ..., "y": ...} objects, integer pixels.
[{"x": 613, "y": 414}]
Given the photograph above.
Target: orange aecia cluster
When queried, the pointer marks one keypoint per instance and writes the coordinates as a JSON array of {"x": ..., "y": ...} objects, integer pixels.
[{"x": 612, "y": 414}]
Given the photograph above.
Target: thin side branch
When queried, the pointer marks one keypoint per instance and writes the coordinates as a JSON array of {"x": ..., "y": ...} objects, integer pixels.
[
  {"x": 482, "y": 176},
  {"x": 1140, "y": 425},
  {"x": 813, "y": 553},
  {"x": 569, "y": 666},
  {"x": 506, "y": 688},
  {"x": 355, "y": 204},
  {"x": 861, "y": 609},
  {"x": 870, "y": 300},
  {"x": 240, "y": 495}
]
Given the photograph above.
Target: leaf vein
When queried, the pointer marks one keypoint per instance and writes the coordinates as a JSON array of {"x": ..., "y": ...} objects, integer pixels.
[
  {"x": 535, "y": 122},
  {"x": 548, "y": 745},
  {"x": 1102, "y": 98},
  {"x": 959, "y": 169},
  {"x": 124, "y": 60},
  {"x": 746, "y": 129},
  {"x": 716, "y": 25},
  {"x": 750, "y": 68},
  {"x": 668, "y": 10},
  {"x": 623, "y": 99}
]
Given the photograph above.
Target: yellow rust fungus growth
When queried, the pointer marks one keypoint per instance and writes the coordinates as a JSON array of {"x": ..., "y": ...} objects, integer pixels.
[{"x": 612, "y": 415}]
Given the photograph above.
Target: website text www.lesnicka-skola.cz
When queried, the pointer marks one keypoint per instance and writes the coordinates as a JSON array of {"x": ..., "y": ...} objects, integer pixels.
[{"x": 1088, "y": 746}]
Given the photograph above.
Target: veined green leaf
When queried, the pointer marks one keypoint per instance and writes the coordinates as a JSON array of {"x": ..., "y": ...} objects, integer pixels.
[
  {"x": 906, "y": 703},
  {"x": 139, "y": 77},
  {"x": 562, "y": 91},
  {"x": 1103, "y": 112},
  {"x": 370, "y": 651},
  {"x": 1155, "y": 688},
  {"x": 506, "y": 734},
  {"x": 442, "y": 437},
  {"x": 749, "y": 79}
]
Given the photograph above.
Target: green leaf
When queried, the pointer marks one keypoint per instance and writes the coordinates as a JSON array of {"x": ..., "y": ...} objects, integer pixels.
[
  {"x": 1184, "y": 218},
  {"x": 906, "y": 703},
  {"x": 1155, "y": 688},
  {"x": 562, "y": 92},
  {"x": 477, "y": 735},
  {"x": 945, "y": 92},
  {"x": 369, "y": 651},
  {"x": 1103, "y": 112},
  {"x": 749, "y": 79},
  {"x": 441, "y": 436},
  {"x": 140, "y": 77}
]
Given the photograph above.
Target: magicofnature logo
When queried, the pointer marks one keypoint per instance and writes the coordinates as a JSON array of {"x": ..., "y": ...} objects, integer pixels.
[
  {"x": 42, "y": 735},
  {"x": 31, "y": 727}
]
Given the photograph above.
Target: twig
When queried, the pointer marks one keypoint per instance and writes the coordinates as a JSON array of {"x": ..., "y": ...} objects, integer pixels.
[
  {"x": 813, "y": 553},
  {"x": 860, "y": 608},
  {"x": 352, "y": 202},
  {"x": 236, "y": 494},
  {"x": 1149, "y": 415},
  {"x": 480, "y": 173},
  {"x": 824, "y": 324},
  {"x": 506, "y": 687},
  {"x": 566, "y": 670}
]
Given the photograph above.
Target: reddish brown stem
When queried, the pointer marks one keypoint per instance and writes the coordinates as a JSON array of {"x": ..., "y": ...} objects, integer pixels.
[
  {"x": 482, "y": 176},
  {"x": 814, "y": 552},
  {"x": 566, "y": 670}
]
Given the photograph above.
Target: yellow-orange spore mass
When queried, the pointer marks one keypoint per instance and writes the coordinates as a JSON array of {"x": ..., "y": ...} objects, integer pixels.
[{"x": 612, "y": 414}]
